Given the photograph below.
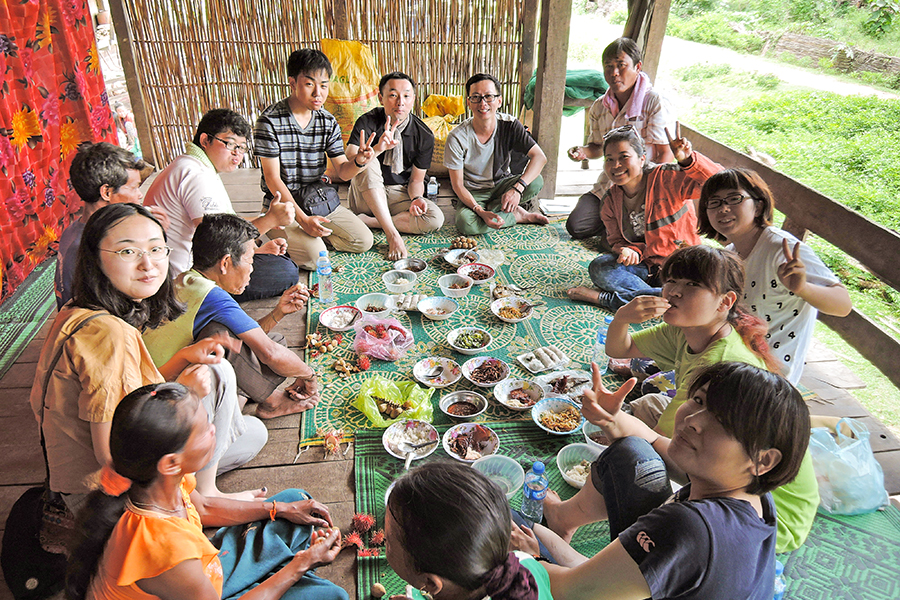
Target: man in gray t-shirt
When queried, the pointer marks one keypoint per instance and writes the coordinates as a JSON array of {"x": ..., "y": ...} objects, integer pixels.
[{"x": 477, "y": 155}]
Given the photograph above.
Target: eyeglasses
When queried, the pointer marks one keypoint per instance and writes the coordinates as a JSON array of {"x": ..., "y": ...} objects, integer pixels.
[
  {"x": 130, "y": 255},
  {"x": 233, "y": 147},
  {"x": 475, "y": 99},
  {"x": 622, "y": 129},
  {"x": 732, "y": 200}
]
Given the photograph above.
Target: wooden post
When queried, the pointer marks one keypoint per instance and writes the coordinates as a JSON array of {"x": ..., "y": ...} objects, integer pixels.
[
  {"x": 550, "y": 92},
  {"x": 529, "y": 42},
  {"x": 132, "y": 81},
  {"x": 341, "y": 23},
  {"x": 655, "y": 35}
]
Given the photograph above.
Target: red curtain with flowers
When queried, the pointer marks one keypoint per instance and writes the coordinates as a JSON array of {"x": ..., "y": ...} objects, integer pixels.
[{"x": 52, "y": 98}]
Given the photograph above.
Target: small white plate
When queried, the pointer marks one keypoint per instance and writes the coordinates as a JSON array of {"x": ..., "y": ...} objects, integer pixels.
[
  {"x": 548, "y": 378},
  {"x": 450, "y": 375},
  {"x": 523, "y": 360}
]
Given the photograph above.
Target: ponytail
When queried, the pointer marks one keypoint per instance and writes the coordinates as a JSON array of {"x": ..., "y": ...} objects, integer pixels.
[
  {"x": 95, "y": 523},
  {"x": 753, "y": 331},
  {"x": 510, "y": 581}
]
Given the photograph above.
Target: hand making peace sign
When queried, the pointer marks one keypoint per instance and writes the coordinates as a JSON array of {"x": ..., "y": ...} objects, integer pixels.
[
  {"x": 366, "y": 151},
  {"x": 388, "y": 139},
  {"x": 681, "y": 147},
  {"x": 792, "y": 272}
]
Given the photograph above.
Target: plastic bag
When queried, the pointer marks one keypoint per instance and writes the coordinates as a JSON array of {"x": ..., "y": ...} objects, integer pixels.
[
  {"x": 436, "y": 105},
  {"x": 396, "y": 393},
  {"x": 441, "y": 128},
  {"x": 851, "y": 481},
  {"x": 384, "y": 339},
  {"x": 353, "y": 90}
]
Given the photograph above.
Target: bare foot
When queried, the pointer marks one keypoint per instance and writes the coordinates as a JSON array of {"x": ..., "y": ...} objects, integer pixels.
[
  {"x": 584, "y": 294},
  {"x": 396, "y": 247},
  {"x": 553, "y": 506},
  {"x": 280, "y": 404},
  {"x": 246, "y": 495},
  {"x": 523, "y": 216},
  {"x": 370, "y": 221}
]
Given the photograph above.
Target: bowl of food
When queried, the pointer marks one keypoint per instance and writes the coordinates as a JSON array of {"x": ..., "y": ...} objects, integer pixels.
[
  {"x": 416, "y": 265},
  {"x": 504, "y": 471},
  {"x": 594, "y": 436},
  {"x": 574, "y": 463},
  {"x": 413, "y": 432},
  {"x": 479, "y": 273},
  {"x": 437, "y": 308},
  {"x": 511, "y": 309},
  {"x": 559, "y": 416},
  {"x": 399, "y": 282},
  {"x": 340, "y": 318},
  {"x": 461, "y": 256},
  {"x": 469, "y": 340},
  {"x": 467, "y": 442},
  {"x": 463, "y": 405},
  {"x": 437, "y": 371},
  {"x": 485, "y": 371},
  {"x": 455, "y": 286},
  {"x": 518, "y": 394},
  {"x": 374, "y": 306}
]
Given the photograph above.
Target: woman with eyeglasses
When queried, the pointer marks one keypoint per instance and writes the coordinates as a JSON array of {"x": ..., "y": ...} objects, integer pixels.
[
  {"x": 786, "y": 283},
  {"x": 94, "y": 356},
  {"x": 647, "y": 214}
]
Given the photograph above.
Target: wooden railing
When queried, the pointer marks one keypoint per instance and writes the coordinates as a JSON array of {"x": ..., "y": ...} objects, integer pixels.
[{"x": 867, "y": 242}]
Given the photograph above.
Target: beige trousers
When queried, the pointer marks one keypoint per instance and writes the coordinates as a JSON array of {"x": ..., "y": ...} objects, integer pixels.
[
  {"x": 349, "y": 234},
  {"x": 398, "y": 201}
]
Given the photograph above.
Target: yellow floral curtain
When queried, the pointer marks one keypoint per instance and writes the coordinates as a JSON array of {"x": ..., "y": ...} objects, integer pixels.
[{"x": 52, "y": 98}]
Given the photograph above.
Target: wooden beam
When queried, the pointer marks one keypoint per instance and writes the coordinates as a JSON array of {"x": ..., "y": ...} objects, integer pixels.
[
  {"x": 652, "y": 50},
  {"x": 550, "y": 90},
  {"x": 870, "y": 340},
  {"x": 529, "y": 43},
  {"x": 132, "y": 80},
  {"x": 341, "y": 22},
  {"x": 637, "y": 26}
]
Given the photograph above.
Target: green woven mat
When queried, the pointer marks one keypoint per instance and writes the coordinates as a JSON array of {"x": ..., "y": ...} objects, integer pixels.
[
  {"x": 540, "y": 256},
  {"x": 23, "y": 314},
  {"x": 375, "y": 469}
]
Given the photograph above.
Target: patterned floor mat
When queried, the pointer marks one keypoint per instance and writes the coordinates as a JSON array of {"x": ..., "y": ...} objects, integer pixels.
[{"x": 23, "y": 314}]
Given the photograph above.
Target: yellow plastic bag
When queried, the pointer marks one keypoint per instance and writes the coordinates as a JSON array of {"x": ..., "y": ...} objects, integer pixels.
[
  {"x": 354, "y": 84},
  {"x": 395, "y": 393},
  {"x": 441, "y": 111},
  {"x": 441, "y": 106}
]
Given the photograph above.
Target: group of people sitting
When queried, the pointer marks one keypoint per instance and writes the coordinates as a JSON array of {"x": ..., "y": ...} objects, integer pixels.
[{"x": 141, "y": 382}]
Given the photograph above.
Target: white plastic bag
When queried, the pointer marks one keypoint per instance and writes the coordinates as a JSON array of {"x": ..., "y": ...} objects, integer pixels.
[{"x": 851, "y": 482}]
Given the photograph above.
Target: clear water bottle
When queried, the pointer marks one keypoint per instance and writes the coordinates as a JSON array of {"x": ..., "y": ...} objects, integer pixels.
[
  {"x": 599, "y": 355},
  {"x": 431, "y": 190},
  {"x": 780, "y": 583},
  {"x": 534, "y": 492},
  {"x": 323, "y": 270}
]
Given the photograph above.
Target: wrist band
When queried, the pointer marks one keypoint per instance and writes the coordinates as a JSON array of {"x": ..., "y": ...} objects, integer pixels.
[
  {"x": 274, "y": 318},
  {"x": 272, "y": 512},
  {"x": 308, "y": 378},
  {"x": 358, "y": 166}
]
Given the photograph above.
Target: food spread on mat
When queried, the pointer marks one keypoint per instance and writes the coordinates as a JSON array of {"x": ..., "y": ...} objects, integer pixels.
[
  {"x": 463, "y": 242},
  {"x": 471, "y": 340},
  {"x": 373, "y": 308},
  {"x": 470, "y": 445},
  {"x": 462, "y": 409},
  {"x": 408, "y": 301},
  {"x": 479, "y": 273},
  {"x": 562, "y": 421},
  {"x": 488, "y": 372},
  {"x": 511, "y": 312},
  {"x": 342, "y": 318},
  {"x": 579, "y": 472},
  {"x": 391, "y": 408},
  {"x": 543, "y": 358},
  {"x": 519, "y": 398},
  {"x": 566, "y": 383},
  {"x": 459, "y": 285},
  {"x": 412, "y": 433}
]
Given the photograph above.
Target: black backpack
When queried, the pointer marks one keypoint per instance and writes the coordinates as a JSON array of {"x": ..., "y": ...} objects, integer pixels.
[{"x": 31, "y": 572}]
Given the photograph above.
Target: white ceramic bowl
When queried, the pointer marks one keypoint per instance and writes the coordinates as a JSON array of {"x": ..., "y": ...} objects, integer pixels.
[
  {"x": 453, "y": 337},
  {"x": 373, "y": 300},
  {"x": 493, "y": 442},
  {"x": 594, "y": 436},
  {"x": 328, "y": 317},
  {"x": 554, "y": 405},
  {"x": 534, "y": 391},
  {"x": 445, "y": 281},
  {"x": 437, "y": 308},
  {"x": 474, "y": 398},
  {"x": 416, "y": 265},
  {"x": 394, "y": 285},
  {"x": 504, "y": 471},
  {"x": 461, "y": 256},
  {"x": 450, "y": 375},
  {"x": 412, "y": 431},
  {"x": 511, "y": 302},
  {"x": 473, "y": 363},
  {"x": 474, "y": 269},
  {"x": 572, "y": 455}
]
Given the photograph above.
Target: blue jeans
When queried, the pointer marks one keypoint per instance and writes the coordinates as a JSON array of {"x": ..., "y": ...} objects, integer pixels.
[
  {"x": 633, "y": 480},
  {"x": 625, "y": 283},
  {"x": 272, "y": 274}
]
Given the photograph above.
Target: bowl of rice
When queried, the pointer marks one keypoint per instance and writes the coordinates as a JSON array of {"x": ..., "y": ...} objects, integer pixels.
[{"x": 574, "y": 463}]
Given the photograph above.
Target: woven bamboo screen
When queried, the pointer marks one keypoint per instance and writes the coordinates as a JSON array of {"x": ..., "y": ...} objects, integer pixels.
[{"x": 194, "y": 55}]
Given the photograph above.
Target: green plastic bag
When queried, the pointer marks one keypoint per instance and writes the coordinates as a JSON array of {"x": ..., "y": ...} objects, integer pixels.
[{"x": 397, "y": 393}]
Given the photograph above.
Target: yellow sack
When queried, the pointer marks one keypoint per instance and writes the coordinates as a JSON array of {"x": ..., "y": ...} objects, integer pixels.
[
  {"x": 354, "y": 83},
  {"x": 439, "y": 106},
  {"x": 441, "y": 111}
]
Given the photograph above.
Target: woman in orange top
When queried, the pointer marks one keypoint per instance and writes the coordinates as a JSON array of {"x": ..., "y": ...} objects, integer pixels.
[{"x": 141, "y": 537}]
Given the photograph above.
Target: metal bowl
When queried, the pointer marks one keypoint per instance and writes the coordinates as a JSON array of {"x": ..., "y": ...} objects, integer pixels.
[
  {"x": 475, "y": 398},
  {"x": 416, "y": 265}
]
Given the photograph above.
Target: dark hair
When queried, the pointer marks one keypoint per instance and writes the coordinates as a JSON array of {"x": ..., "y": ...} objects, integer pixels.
[
  {"x": 478, "y": 77},
  {"x": 395, "y": 75},
  {"x": 96, "y": 165},
  {"x": 93, "y": 289},
  {"x": 308, "y": 61},
  {"x": 219, "y": 235},
  {"x": 454, "y": 522},
  {"x": 722, "y": 271},
  {"x": 735, "y": 179},
  {"x": 222, "y": 120},
  {"x": 149, "y": 423},
  {"x": 622, "y": 44},
  {"x": 761, "y": 410},
  {"x": 625, "y": 134}
]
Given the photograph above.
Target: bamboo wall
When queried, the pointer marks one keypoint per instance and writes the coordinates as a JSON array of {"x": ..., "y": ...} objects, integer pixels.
[{"x": 193, "y": 55}]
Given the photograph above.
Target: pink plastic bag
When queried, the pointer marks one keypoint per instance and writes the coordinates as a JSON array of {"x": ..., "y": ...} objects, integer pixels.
[{"x": 384, "y": 339}]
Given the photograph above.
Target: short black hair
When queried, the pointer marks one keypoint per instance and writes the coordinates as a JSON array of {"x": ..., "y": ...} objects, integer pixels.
[
  {"x": 222, "y": 120},
  {"x": 96, "y": 165},
  {"x": 735, "y": 179},
  {"x": 478, "y": 77},
  {"x": 395, "y": 75},
  {"x": 308, "y": 61},
  {"x": 622, "y": 44},
  {"x": 220, "y": 235}
]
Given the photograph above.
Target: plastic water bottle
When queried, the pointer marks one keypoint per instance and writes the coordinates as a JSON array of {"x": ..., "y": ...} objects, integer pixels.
[
  {"x": 323, "y": 270},
  {"x": 535, "y": 490},
  {"x": 780, "y": 583},
  {"x": 600, "y": 356},
  {"x": 432, "y": 188}
]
